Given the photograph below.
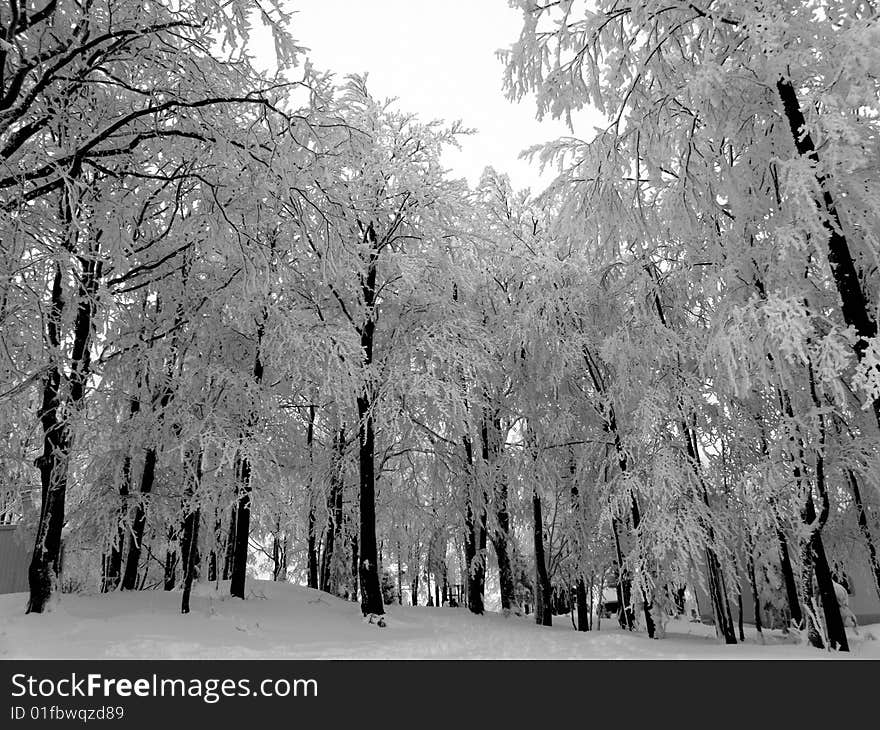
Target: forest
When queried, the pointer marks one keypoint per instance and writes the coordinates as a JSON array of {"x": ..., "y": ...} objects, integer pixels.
[{"x": 252, "y": 328}]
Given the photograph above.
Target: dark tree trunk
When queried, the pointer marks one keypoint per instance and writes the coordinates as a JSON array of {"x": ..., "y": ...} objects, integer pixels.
[
  {"x": 646, "y": 604},
  {"x": 750, "y": 569},
  {"x": 583, "y": 609},
  {"x": 354, "y": 567},
  {"x": 543, "y": 590},
  {"x": 238, "y": 574},
  {"x": 501, "y": 534},
  {"x": 170, "y": 576},
  {"x": 368, "y": 561},
  {"x": 824, "y": 581},
  {"x": 788, "y": 578},
  {"x": 475, "y": 538},
  {"x": 212, "y": 556},
  {"x": 335, "y": 518},
  {"x": 368, "y": 565},
  {"x": 501, "y": 542},
  {"x": 43, "y": 572},
  {"x": 623, "y": 587},
  {"x": 190, "y": 541},
  {"x": 139, "y": 524},
  {"x": 739, "y": 605},
  {"x": 312, "y": 549},
  {"x": 312, "y": 524},
  {"x": 229, "y": 557},
  {"x": 854, "y": 304},
  {"x": 113, "y": 572}
]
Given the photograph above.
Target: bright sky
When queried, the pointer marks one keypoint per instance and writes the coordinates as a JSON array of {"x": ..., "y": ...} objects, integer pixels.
[{"x": 438, "y": 58}]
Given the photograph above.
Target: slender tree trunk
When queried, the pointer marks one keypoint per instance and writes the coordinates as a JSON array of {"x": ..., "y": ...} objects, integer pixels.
[
  {"x": 139, "y": 524},
  {"x": 583, "y": 610},
  {"x": 623, "y": 586},
  {"x": 170, "y": 574},
  {"x": 229, "y": 557},
  {"x": 190, "y": 542},
  {"x": 212, "y": 556},
  {"x": 312, "y": 549},
  {"x": 355, "y": 561},
  {"x": 750, "y": 569},
  {"x": 334, "y": 519},
  {"x": 238, "y": 574},
  {"x": 311, "y": 527},
  {"x": 113, "y": 572}
]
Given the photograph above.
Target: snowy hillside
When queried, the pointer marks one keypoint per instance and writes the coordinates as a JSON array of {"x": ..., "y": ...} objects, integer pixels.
[{"x": 284, "y": 621}]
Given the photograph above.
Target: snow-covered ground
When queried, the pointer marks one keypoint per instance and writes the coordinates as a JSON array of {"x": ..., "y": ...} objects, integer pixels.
[{"x": 284, "y": 621}]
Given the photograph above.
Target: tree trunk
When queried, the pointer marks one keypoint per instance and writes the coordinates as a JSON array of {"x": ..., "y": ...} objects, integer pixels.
[
  {"x": 750, "y": 569},
  {"x": 788, "y": 578},
  {"x": 170, "y": 574},
  {"x": 113, "y": 571},
  {"x": 824, "y": 581},
  {"x": 190, "y": 541},
  {"x": 229, "y": 557},
  {"x": 854, "y": 304},
  {"x": 238, "y": 574},
  {"x": 543, "y": 590},
  {"x": 583, "y": 610},
  {"x": 139, "y": 524},
  {"x": 623, "y": 586},
  {"x": 368, "y": 561},
  {"x": 311, "y": 527},
  {"x": 474, "y": 538},
  {"x": 368, "y": 566},
  {"x": 328, "y": 581},
  {"x": 43, "y": 572}
]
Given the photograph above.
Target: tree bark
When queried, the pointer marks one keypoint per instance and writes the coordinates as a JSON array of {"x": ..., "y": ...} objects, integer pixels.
[
  {"x": 190, "y": 541},
  {"x": 750, "y": 569},
  {"x": 543, "y": 590},
  {"x": 854, "y": 304},
  {"x": 583, "y": 609},
  {"x": 368, "y": 565},
  {"x": 501, "y": 534},
  {"x": 238, "y": 574},
  {"x": 43, "y": 572},
  {"x": 328, "y": 581},
  {"x": 474, "y": 538}
]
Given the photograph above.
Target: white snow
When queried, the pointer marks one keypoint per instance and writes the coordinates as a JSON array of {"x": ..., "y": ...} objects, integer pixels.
[{"x": 284, "y": 621}]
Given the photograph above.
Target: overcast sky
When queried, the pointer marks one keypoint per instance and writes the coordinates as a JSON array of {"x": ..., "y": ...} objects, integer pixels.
[{"x": 438, "y": 58}]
